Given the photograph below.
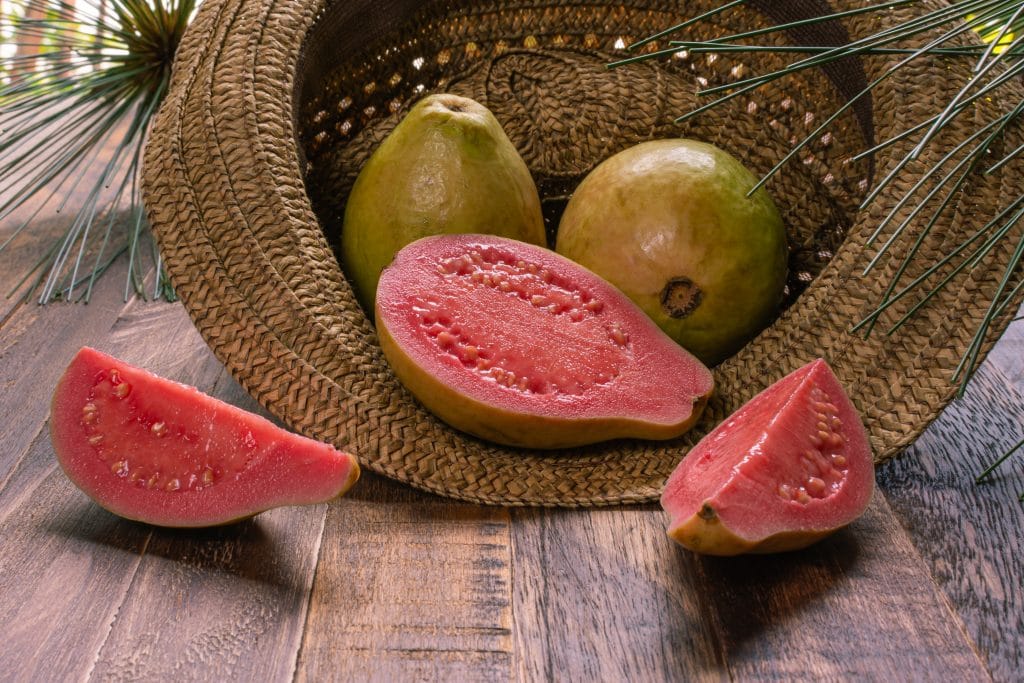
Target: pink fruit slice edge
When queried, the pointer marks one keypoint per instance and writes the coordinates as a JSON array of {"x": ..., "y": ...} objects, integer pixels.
[
  {"x": 790, "y": 467},
  {"x": 518, "y": 345},
  {"x": 156, "y": 451}
]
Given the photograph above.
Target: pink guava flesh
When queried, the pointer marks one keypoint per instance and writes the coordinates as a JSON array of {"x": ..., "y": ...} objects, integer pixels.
[
  {"x": 789, "y": 467},
  {"x": 515, "y": 343},
  {"x": 156, "y": 451}
]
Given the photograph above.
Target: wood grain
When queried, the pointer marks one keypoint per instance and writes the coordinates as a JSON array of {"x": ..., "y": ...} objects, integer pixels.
[
  {"x": 603, "y": 596},
  {"x": 410, "y": 587},
  {"x": 971, "y": 536},
  {"x": 64, "y": 567},
  {"x": 778, "y": 614},
  {"x": 615, "y": 599},
  {"x": 219, "y": 604}
]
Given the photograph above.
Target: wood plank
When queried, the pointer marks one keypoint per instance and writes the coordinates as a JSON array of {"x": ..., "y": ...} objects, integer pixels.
[
  {"x": 218, "y": 604},
  {"x": 604, "y": 595},
  {"x": 410, "y": 587},
  {"x": 21, "y": 254},
  {"x": 860, "y": 606},
  {"x": 610, "y": 597},
  {"x": 64, "y": 566},
  {"x": 970, "y": 535}
]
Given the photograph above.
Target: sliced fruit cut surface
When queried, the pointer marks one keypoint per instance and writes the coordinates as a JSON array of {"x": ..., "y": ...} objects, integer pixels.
[
  {"x": 788, "y": 468},
  {"x": 518, "y": 345},
  {"x": 156, "y": 451}
]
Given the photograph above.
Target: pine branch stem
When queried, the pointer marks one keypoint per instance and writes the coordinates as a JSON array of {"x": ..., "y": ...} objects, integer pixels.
[{"x": 1006, "y": 456}]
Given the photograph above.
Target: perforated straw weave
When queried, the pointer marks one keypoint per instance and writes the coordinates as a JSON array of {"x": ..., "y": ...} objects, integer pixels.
[{"x": 275, "y": 104}]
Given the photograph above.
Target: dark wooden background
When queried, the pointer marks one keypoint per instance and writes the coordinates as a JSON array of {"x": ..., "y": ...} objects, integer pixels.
[{"x": 393, "y": 584}]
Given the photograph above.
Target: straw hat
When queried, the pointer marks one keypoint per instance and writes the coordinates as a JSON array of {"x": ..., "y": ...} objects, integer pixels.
[{"x": 275, "y": 104}]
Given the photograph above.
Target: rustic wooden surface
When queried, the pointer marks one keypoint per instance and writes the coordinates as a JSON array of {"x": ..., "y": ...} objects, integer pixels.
[{"x": 393, "y": 584}]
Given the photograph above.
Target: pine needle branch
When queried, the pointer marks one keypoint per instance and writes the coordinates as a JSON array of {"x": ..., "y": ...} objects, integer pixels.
[
  {"x": 989, "y": 32},
  {"x": 79, "y": 83}
]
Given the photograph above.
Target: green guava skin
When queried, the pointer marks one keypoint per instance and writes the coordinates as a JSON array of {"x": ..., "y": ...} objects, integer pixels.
[
  {"x": 447, "y": 167},
  {"x": 665, "y": 213}
]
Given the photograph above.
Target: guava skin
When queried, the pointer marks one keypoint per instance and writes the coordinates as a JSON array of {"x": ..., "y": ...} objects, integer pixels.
[
  {"x": 447, "y": 167},
  {"x": 669, "y": 223},
  {"x": 704, "y": 533}
]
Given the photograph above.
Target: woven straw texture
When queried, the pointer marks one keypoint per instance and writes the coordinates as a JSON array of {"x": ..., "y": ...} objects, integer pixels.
[{"x": 275, "y": 104}]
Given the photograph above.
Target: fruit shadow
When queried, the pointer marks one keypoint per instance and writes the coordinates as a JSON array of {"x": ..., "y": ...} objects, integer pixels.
[
  {"x": 755, "y": 602},
  {"x": 245, "y": 549}
]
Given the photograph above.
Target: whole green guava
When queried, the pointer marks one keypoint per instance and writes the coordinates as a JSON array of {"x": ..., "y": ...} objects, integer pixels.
[
  {"x": 670, "y": 224},
  {"x": 447, "y": 167}
]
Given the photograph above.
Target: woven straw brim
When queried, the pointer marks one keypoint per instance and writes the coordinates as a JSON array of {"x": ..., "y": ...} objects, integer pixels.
[{"x": 258, "y": 129}]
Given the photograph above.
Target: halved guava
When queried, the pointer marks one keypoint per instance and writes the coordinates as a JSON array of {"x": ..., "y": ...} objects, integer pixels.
[
  {"x": 790, "y": 467},
  {"x": 518, "y": 345},
  {"x": 156, "y": 451}
]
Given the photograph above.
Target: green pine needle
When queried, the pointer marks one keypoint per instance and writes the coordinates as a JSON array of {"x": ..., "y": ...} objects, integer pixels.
[
  {"x": 79, "y": 82},
  {"x": 998, "y": 58},
  {"x": 1003, "y": 458}
]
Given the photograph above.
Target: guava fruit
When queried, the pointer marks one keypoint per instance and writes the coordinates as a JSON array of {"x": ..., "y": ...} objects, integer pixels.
[
  {"x": 790, "y": 467},
  {"x": 447, "y": 167},
  {"x": 669, "y": 223},
  {"x": 156, "y": 451},
  {"x": 518, "y": 345}
]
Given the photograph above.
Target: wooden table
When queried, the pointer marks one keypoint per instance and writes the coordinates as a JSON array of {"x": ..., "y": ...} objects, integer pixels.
[{"x": 393, "y": 584}]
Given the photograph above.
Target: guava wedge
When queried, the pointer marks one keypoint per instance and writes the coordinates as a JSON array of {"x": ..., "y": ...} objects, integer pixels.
[
  {"x": 447, "y": 167},
  {"x": 669, "y": 223},
  {"x": 518, "y": 345},
  {"x": 153, "y": 450},
  {"x": 790, "y": 467}
]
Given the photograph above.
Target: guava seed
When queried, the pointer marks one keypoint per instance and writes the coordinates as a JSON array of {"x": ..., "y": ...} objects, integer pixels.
[
  {"x": 680, "y": 297},
  {"x": 819, "y": 464},
  {"x": 617, "y": 335}
]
